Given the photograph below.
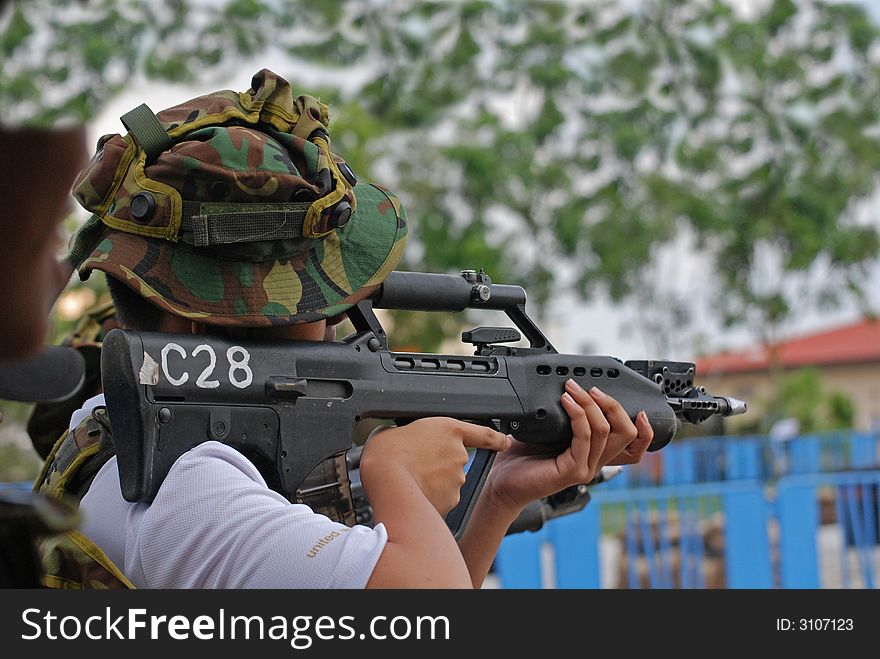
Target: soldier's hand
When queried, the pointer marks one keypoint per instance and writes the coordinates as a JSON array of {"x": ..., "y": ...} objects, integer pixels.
[
  {"x": 433, "y": 451},
  {"x": 602, "y": 433}
]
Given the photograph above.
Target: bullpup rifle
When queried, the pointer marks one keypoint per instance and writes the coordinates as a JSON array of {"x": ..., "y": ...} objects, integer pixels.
[{"x": 292, "y": 407}]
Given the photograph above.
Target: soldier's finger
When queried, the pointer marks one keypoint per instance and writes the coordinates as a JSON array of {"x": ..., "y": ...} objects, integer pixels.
[
  {"x": 617, "y": 416},
  {"x": 599, "y": 426},
  {"x": 580, "y": 430},
  {"x": 646, "y": 435},
  {"x": 474, "y": 436},
  {"x": 639, "y": 446}
]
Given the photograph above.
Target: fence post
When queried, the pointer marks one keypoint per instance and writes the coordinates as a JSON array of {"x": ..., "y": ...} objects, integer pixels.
[
  {"x": 798, "y": 521},
  {"x": 679, "y": 464},
  {"x": 575, "y": 540},
  {"x": 747, "y": 547},
  {"x": 805, "y": 455},
  {"x": 518, "y": 561},
  {"x": 743, "y": 458},
  {"x": 864, "y": 451}
]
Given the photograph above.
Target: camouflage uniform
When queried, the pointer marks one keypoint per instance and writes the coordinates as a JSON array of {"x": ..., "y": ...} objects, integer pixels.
[
  {"x": 48, "y": 421},
  {"x": 229, "y": 209},
  {"x": 70, "y": 560}
]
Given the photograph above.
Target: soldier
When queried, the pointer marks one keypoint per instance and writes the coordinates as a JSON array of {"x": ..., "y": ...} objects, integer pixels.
[{"x": 229, "y": 214}]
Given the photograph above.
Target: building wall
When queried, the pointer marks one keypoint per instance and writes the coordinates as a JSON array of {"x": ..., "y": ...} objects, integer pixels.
[{"x": 860, "y": 382}]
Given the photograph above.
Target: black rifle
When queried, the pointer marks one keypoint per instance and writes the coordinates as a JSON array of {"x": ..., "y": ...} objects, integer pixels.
[{"x": 292, "y": 407}]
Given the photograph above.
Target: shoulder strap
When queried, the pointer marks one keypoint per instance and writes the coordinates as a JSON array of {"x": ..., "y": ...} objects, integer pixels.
[
  {"x": 76, "y": 457},
  {"x": 71, "y": 560}
]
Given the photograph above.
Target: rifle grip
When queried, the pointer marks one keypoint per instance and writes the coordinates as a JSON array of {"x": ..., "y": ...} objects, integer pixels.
[{"x": 457, "y": 518}]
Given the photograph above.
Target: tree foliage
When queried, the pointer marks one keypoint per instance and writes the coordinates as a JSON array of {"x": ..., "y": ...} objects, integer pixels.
[
  {"x": 555, "y": 144},
  {"x": 803, "y": 397}
]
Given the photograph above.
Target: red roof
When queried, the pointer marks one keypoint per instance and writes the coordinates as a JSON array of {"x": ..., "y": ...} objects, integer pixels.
[{"x": 858, "y": 343}]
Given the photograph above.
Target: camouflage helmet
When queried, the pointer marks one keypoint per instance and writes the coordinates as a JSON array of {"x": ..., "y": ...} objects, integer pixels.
[{"x": 231, "y": 209}]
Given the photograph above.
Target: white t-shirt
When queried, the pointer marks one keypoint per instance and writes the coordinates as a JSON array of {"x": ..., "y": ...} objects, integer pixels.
[{"x": 215, "y": 524}]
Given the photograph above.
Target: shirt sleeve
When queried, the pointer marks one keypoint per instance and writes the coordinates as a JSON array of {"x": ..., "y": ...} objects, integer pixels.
[{"x": 215, "y": 524}]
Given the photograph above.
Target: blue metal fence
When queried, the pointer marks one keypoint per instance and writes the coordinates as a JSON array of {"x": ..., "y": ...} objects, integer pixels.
[
  {"x": 810, "y": 549},
  {"x": 799, "y": 514},
  {"x": 661, "y": 539},
  {"x": 712, "y": 459}
]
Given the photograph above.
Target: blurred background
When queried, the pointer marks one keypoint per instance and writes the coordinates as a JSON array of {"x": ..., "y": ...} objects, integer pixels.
[{"x": 692, "y": 180}]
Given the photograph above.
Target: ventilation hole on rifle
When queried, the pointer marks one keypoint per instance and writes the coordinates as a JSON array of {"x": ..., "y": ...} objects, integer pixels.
[
  {"x": 541, "y": 413},
  {"x": 613, "y": 373},
  {"x": 543, "y": 369},
  {"x": 431, "y": 363},
  {"x": 579, "y": 371},
  {"x": 482, "y": 367},
  {"x": 562, "y": 370},
  {"x": 283, "y": 454},
  {"x": 404, "y": 362},
  {"x": 455, "y": 365},
  {"x": 357, "y": 417},
  {"x": 595, "y": 372},
  {"x": 677, "y": 384},
  {"x": 689, "y": 383}
]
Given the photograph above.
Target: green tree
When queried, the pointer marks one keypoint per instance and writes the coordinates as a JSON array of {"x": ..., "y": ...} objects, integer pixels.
[
  {"x": 580, "y": 139},
  {"x": 804, "y": 398},
  {"x": 556, "y": 144}
]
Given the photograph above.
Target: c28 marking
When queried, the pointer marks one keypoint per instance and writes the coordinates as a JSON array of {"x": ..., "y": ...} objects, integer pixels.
[{"x": 237, "y": 357}]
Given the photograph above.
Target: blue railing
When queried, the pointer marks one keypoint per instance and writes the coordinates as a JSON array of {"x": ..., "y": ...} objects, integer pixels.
[
  {"x": 799, "y": 514},
  {"x": 712, "y": 459},
  {"x": 661, "y": 538},
  {"x": 806, "y": 553}
]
